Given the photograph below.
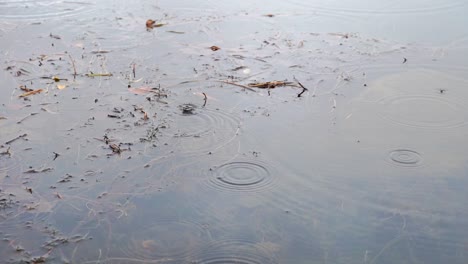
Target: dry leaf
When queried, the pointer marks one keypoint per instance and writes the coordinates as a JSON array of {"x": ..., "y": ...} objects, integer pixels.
[
  {"x": 61, "y": 86},
  {"x": 215, "y": 48},
  {"x": 31, "y": 93},
  {"x": 150, "y": 23}
]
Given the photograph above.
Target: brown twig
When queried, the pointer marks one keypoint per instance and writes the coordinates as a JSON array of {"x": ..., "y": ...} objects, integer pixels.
[{"x": 74, "y": 68}]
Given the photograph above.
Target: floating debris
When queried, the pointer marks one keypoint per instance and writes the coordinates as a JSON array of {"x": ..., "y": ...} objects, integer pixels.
[
  {"x": 39, "y": 170},
  {"x": 31, "y": 93},
  {"x": 152, "y": 24},
  {"x": 99, "y": 74},
  {"x": 270, "y": 85},
  {"x": 188, "y": 109}
]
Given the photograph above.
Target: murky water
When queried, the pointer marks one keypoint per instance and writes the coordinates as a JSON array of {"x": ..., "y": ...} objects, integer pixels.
[{"x": 147, "y": 146}]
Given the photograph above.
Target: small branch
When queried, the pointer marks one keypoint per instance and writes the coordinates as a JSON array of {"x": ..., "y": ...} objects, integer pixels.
[
  {"x": 26, "y": 117},
  {"x": 74, "y": 68},
  {"x": 302, "y": 86},
  {"x": 56, "y": 155},
  {"x": 134, "y": 70},
  {"x": 206, "y": 99},
  {"x": 16, "y": 138}
]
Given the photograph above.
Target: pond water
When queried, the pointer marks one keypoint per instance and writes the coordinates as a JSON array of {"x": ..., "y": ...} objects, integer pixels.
[{"x": 126, "y": 144}]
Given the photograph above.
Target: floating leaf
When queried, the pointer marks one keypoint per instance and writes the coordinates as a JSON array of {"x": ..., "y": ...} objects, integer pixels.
[
  {"x": 61, "y": 86},
  {"x": 31, "y": 93},
  {"x": 150, "y": 23},
  {"x": 215, "y": 48}
]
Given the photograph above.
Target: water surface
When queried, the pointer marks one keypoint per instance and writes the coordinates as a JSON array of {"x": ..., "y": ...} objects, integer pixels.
[{"x": 145, "y": 146}]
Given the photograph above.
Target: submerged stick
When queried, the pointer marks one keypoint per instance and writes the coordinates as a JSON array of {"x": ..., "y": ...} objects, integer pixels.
[{"x": 74, "y": 68}]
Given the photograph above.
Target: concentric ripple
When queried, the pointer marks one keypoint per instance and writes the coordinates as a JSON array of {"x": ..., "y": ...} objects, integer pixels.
[
  {"x": 424, "y": 111},
  {"x": 38, "y": 9},
  {"x": 236, "y": 251},
  {"x": 203, "y": 129},
  {"x": 175, "y": 240},
  {"x": 244, "y": 176},
  {"x": 405, "y": 158}
]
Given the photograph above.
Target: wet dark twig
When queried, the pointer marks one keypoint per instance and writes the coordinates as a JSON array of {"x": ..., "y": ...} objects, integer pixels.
[
  {"x": 16, "y": 138},
  {"x": 302, "y": 86},
  {"x": 56, "y": 155},
  {"x": 206, "y": 99},
  {"x": 134, "y": 70},
  {"x": 404, "y": 60},
  {"x": 26, "y": 117}
]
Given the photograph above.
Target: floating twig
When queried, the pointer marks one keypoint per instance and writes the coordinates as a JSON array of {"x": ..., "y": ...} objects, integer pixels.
[
  {"x": 404, "y": 60},
  {"x": 134, "y": 70},
  {"x": 26, "y": 117},
  {"x": 16, "y": 138},
  {"x": 56, "y": 155},
  {"x": 206, "y": 99},
  {"x": 99, "y": 74},
  {"x": 270, "y": 85},
  {"x": 31, "y": 93},
  {"x": 239, "y": 85},
  {"x": 38, "y": 171},
  {"x": 302, "y": 86}
]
